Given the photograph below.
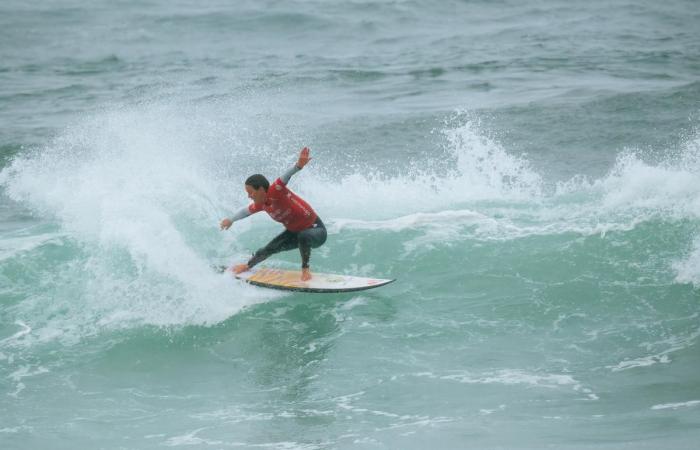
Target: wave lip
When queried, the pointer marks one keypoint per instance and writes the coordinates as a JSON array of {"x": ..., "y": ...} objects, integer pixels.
[{"x": 134, "y": 192}]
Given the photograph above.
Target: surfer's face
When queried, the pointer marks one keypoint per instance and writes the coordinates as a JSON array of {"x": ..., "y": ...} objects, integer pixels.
[{"x": 257, "y": 195}]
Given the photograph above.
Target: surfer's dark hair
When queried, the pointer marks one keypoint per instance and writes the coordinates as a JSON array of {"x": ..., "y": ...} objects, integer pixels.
[{"x": 257, "y": 181}]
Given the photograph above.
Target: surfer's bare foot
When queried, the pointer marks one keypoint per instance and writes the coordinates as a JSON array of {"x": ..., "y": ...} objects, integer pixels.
[
  {"x": 305, "y": 274},
  {"x": 238, "y": 268}
]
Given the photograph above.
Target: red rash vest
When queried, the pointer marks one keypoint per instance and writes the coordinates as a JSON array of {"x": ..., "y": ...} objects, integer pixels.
[{"x": 286, "y": 207}]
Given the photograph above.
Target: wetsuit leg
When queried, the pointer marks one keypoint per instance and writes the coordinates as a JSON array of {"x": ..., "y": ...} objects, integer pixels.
[
  {"x": 286, "y": 240},
  {"x": 312, "y": 237}
]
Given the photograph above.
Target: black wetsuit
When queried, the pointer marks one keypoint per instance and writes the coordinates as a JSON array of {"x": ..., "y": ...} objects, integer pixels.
[{"x": 304, "y": 240}]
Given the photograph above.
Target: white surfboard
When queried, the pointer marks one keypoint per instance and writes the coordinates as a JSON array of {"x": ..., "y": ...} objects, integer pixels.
[{"x": 290, "y": 280}]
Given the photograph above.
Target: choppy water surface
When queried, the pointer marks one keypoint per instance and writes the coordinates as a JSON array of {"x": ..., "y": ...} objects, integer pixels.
[{"x": 528, "y": 171}]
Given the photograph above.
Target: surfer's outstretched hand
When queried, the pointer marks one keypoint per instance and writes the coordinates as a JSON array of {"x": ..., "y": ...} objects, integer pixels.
[
  {"x": 304, "y": 158},
  {"x": 238, "y": 268},
  {"x": 225, "y": 224}
]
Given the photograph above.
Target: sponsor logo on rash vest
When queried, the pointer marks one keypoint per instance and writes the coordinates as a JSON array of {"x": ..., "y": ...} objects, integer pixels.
[{"x": 285, "y": 207}]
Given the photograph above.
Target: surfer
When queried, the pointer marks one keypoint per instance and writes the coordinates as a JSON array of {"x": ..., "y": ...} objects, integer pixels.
[{"x": 303, "y": 228}]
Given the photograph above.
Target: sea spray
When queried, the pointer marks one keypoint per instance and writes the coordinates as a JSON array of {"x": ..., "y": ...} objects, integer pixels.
[
  {"x": 138, "y": 210},
  {"x": 473, "y": 167}
]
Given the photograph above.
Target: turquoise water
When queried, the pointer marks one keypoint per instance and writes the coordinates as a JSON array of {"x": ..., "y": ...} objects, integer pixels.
[{"x": 528, "y": 171}]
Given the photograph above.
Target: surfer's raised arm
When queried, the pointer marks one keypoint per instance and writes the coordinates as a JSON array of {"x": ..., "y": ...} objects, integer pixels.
[{"x": 303, "y": 160}]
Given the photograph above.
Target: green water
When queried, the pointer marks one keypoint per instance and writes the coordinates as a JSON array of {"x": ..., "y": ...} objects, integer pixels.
[{"x": 528, "y": 173}]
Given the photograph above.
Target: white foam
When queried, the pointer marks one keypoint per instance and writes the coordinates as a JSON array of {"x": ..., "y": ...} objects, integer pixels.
[
  {"x": 674, "y": 343},
  {"x": 138, "y": 202},
  {"x": 16, "y": 429},
  {"x": 688, "y": 269},
  {"x": 139, "y": 195},
  {"x": 633, "y": 192},
  {"x": 26, "y": 329},
  {"x": 413, "y": 221},
  {"x": 687, "y": 404},
  {"x": 21, "y": 373},
  {"x": 479, "y": 169},
  {"x": 516, "y": 377},
  {"x": 442, "y": 227},
  {"x": 669, "y": 188},
  {"x": 640, "y": 362},
  {"x": 486, "y": 412},
  {"x": 139, "y": 192},
  {"x": 191, "y": 439},
  {"x": 354, "y": 302}
]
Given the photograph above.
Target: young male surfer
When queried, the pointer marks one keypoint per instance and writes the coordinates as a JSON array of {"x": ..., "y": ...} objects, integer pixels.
[{"x": 303, "y": 228}]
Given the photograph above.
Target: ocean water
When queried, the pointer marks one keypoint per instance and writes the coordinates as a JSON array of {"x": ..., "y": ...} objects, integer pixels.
[{"x": 528, "y": 171}]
